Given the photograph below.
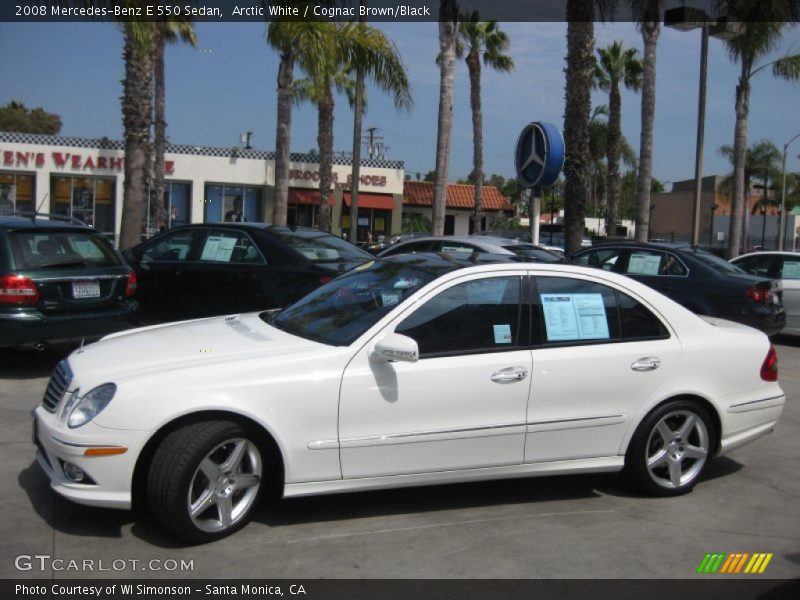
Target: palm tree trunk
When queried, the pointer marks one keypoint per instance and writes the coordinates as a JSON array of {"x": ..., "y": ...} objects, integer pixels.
[
  {"x": 650, "y": 33},
  {"x": 160, "y": 124},
  {"x": 283, "y": 136},
  {"x": 474, "y": 67},
  {"x": 612, "y": 154},
  {"x": 448, "y": 33},
  {"x": 137, "y": 103},
  {"x": 325, "y": 142},
  {"x": 739, "y": 208},
  {"x": 357, "y": 126},
  {"x": 579, "y": 77}
]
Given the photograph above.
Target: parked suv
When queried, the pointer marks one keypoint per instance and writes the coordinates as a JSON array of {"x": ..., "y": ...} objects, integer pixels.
[
  {"x": 60, "y": 282},
  {"x": 700, "y": 281}
]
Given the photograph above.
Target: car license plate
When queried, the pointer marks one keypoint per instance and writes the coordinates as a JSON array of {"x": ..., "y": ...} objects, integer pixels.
[{"x": 88, "y": 289}]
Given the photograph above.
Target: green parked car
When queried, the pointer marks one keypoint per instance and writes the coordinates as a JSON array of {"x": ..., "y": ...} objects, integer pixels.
[{"x": 61, "y": 282}]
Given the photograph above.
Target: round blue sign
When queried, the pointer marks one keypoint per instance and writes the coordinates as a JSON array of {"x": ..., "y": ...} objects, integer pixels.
[{"x": 539, "y": 156}]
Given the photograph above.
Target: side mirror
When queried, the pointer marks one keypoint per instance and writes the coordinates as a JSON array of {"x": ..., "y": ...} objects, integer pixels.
[{"x": 397, "y": 347}]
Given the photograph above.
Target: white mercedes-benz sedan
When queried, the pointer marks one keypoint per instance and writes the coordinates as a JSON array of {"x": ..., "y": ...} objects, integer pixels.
[{"x": 414, "y": 370}]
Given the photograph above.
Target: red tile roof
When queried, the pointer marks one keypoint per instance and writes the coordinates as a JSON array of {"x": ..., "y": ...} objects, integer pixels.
[{"x": 420, "y": 193}]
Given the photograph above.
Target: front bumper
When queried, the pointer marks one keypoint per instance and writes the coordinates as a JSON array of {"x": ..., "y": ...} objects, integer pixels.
[{"x": 111, "y": 476}]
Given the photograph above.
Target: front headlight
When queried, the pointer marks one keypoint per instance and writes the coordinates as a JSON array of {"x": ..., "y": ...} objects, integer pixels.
[{"x": 81, "y": 410}]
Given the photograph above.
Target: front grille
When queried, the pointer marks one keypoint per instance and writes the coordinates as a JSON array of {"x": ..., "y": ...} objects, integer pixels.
[{"x": 59, "y": 382}]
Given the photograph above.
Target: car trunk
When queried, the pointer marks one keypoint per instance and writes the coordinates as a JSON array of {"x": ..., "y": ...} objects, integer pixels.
[{"x": 88, "y": 289}]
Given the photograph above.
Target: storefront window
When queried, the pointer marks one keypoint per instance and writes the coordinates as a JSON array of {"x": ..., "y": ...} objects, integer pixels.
[
  {"x": 89, "y": 199},
  {"x": 177, "y": 197},
  {"x": 233, "y": 203},
  {"x": 16, "y": 193},
  {"x": 372, "y": 221}
]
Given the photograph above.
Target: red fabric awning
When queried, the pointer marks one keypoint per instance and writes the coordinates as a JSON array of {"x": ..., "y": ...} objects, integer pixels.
[
  {"x": 380, "y": 201},
  {"x": 300, "y": 196}
]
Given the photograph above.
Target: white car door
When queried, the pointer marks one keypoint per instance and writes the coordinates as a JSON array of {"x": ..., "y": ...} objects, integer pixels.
[
  {"x": 600, "y": 355},
  {"x": 461, "y": 405}
]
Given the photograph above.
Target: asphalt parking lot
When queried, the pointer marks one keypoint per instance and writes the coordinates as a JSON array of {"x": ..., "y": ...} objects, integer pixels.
[{"x": 558, "y": 527}]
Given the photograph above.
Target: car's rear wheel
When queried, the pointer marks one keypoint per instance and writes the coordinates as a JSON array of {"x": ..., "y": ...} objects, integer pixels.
[
  {"x": 671, "y": 449},
  {"x": 205, "y": 479}
]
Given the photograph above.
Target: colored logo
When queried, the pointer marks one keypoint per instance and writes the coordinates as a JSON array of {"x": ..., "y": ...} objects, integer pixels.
[
  {"x": 737, "y": 563},
  {"x": 539, "y": 155}
]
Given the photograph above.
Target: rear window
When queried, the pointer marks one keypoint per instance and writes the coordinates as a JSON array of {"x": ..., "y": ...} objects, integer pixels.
[
  {"x": 320, "y": 247},
  {"x": 717, "y": 263},
  {"x": 54, "y": 249},
  {"x": 532, "y": 252}
]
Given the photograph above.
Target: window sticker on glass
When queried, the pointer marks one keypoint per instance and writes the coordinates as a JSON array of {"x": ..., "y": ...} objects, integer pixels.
[
  {"x": 574, "y": 317},
  {"x": 791, "y": 270},
  {"x": 502, "y": 334},
  {"x": 457, "y": 249},
  {"x": 391, "y": 298},
  {"x": 218, "y": 249},
  {"x": 644, "y": 264}
]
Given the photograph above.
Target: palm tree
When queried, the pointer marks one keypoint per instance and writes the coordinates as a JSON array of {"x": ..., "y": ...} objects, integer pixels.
[
  {"x": 480, "y": 38},
  {"x": 137, "y": 103},
  {"x": 448, "y": 35},
  {"x": 292, "y": 39},
  {"x": 347, "y": 45},
  {"x": 358, "y": 114},
  {"x": 598, "y": 152},
  {"x": 165, "y": 32},
  {"x": 616, "y": 66},
  {"x": 647, "y": 14},
  {"x": 762, "y": 26},
  {"x": 762, "y": 161},
  {"x": 579, "y": 77},
  {"x": 318, "y": 89}
]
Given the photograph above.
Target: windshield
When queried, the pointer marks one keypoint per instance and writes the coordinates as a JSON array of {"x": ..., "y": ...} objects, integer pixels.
[
  {"x": 54, "y": 249},
  {"x": 339, "y": 312},
  {"x": 318, "y": 246}
]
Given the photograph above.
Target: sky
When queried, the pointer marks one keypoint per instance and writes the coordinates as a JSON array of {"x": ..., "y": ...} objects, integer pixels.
[{"x": 227, "y": 85}]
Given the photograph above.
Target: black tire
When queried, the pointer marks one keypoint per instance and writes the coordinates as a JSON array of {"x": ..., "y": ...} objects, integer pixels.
[
  {"x": 671, "y": 449},
  {"x": 176, "y": 481}
]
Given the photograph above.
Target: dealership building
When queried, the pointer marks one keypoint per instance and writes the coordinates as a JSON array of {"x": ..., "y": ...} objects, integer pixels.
[{"x": 83, "y": 178}]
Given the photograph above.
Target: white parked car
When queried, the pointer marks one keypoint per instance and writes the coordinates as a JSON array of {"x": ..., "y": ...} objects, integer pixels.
[
  {"x": 413, "y": 370},
  {"x": 778, "y": 265}
]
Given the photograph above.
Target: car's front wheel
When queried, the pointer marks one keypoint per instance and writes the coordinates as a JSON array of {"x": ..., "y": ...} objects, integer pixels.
[
  {"x": 670, "y": 449},
  {"x": 205, "y": 480}
]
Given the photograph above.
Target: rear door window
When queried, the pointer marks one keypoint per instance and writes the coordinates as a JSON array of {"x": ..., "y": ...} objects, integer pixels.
[
  {"x": 53, "y": 249},
  {"x": 575, "y": 311},
  {"x": 601, "y": 258},
  {"x": 232, "y": 247},
  {"x": 790, "y": 268},
  {"x": 653, "y": 262}
]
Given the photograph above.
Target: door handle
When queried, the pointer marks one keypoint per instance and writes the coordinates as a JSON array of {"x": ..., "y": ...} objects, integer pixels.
[
  {"x": 648, "y": 363},
  {"x": 510, "y": 375}
]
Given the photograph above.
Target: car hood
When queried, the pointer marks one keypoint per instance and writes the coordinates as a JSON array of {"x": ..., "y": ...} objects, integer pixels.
[{"x": 199, "y": 343}]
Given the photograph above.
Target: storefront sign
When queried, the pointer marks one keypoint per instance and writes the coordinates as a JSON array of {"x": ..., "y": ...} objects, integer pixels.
[
  {"x": 308, "y": 175},
  {"x": 69, "y": 160}
]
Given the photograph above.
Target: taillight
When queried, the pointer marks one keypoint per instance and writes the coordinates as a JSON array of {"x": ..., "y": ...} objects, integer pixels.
[
  {"x": 324, "y": 279},
  {"x": 15, "y": 289},
  {"x": 769, "y": 370},
  {"x": 130, "y": 286},
  {"x": 759, "y": 295}
]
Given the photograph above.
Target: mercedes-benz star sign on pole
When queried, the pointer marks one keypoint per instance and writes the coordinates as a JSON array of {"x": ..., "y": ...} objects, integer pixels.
[{"x": 539, "y": 156}]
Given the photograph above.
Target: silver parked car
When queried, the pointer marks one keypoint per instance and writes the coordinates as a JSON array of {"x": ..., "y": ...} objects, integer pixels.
[
  {"x": 778, "y": 265},
  {"x": 465, "y": 245}
]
